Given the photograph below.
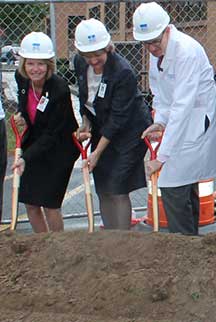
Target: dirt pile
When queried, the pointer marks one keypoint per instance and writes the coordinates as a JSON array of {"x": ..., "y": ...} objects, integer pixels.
[{"x": 107, "y": 277}]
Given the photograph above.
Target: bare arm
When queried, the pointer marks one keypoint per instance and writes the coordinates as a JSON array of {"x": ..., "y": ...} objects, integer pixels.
[{"x": 95, "y": 155}]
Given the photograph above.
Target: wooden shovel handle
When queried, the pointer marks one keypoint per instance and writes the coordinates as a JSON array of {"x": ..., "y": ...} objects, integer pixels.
[
  {"x": 88, "y": 199},
  {"x": 155, "y": 202},
  {"x": 16, "y": 176}
]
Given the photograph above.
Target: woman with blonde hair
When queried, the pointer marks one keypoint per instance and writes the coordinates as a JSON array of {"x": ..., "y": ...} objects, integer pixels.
[{"x": 44, "y": 106}]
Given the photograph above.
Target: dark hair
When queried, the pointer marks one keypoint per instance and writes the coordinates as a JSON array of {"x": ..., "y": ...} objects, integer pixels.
[{"x": 109, "y": 48}]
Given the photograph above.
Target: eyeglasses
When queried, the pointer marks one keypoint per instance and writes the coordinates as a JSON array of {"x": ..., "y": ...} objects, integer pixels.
[{"x": 155, "y": 42}]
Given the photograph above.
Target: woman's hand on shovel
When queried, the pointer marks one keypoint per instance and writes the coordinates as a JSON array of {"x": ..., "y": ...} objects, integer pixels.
[{"x": 19, "y": 165}]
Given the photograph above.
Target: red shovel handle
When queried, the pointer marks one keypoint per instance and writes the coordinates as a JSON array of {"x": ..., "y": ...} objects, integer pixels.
[
  {"x": 153, "y": 151},
  {"x": 83, "y": 150},
  {"x": 17, "y": 134},
  {"x": 87, "y": 185}
]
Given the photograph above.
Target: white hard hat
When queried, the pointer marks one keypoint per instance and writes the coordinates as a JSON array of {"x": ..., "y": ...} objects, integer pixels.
[
  {"x": 91, "y": 35},
  {"x": 149, "y": 21},
  {"x": 36, "y": 45}
]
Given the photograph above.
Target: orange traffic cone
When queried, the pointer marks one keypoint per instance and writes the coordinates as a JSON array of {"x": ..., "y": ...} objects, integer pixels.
[{"x": 206, "y": 197}]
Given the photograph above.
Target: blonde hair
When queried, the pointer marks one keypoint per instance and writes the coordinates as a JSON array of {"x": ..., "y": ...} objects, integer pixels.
[{"x": 51, "y": 67}]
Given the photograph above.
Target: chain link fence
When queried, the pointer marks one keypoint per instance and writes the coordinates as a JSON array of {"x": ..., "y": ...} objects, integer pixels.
[{"x": 59, "y": 20}]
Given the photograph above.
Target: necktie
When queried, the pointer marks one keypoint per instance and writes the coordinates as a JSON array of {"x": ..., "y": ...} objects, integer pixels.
[{"x": 159, "y": 63}]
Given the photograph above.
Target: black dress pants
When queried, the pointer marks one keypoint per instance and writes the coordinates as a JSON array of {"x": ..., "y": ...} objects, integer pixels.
[{"x": 181, "y": 205}]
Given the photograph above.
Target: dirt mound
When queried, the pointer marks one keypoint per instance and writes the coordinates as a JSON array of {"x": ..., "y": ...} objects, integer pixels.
[{"x": 107, "y": 277}]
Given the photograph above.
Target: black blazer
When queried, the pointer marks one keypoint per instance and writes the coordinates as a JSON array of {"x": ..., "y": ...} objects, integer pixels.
[
  {"x": 49, "y": 138},
  {"x": 121, "y": 114}
]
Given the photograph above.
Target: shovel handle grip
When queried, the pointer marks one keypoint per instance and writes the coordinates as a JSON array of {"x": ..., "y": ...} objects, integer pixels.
[
  {"x": 83, "y": 150},
  {"x": 153, "y": 151},
  {"x": 18, "y": 135}
]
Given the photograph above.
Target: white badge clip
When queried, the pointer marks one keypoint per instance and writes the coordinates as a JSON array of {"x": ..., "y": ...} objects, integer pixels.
[
  {"x": 42, "y": 103},
  {"x": 102, "y": 90}
]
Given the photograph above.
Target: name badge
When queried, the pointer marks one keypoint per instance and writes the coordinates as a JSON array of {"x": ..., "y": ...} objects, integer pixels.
[
  {"x": 102, "y": 90},
  {"x": 42, "y": 104}
]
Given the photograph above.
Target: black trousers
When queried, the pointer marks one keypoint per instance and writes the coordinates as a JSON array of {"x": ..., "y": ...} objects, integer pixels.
[
  {"x": 181, "y": 205},
  {"x": 3, "y": 160}
]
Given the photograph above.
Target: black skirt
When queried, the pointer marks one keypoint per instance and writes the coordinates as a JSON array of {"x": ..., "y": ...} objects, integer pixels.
[
  {"x": 44, "y": 184},
  {"x": 120, "y": 171}
]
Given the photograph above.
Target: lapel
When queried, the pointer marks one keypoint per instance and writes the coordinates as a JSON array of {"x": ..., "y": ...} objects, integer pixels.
[
  {"x": 83, "y": 78},
  {"x": 24, "y": 87},
  {"x": 107, "y": 74},
  {"x": 108, "y": 68},
  {"x": 170, "y": 55}
]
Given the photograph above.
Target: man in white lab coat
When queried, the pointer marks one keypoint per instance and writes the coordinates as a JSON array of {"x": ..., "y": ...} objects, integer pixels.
[{"x": 181, "y": 80}]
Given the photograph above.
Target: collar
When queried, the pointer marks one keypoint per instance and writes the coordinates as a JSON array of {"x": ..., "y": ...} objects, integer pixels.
[{"x": 171, "y": 48}]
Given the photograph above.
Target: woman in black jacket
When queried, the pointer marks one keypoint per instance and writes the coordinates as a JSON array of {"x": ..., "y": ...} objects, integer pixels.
[
  {"x": 44, "y": 105},
  {"x": 113, "y": 110}
]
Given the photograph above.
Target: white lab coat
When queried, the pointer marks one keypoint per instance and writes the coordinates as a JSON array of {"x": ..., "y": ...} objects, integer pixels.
[{"x": 185, "y": 95}]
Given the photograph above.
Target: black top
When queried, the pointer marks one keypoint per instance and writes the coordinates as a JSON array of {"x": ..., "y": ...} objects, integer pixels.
[
  {"x": 121, "y": 116},
  {"x": 50, "y": 135},
  {"x": 47, "y": 147},
  {"x": 122, "y": 107}
]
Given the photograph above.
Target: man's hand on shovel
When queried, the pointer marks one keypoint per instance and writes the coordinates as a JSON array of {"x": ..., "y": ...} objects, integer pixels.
[
  {"x": 153, "y": 132},
  {"x": 153, "y": 166}
]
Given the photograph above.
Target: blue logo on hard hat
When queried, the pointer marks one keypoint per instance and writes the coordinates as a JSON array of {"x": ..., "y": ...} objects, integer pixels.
[
  {"x": 36, "y": 46},
  {"x": 143, "y": 26},
  {"x": 91, "y": 38}
]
